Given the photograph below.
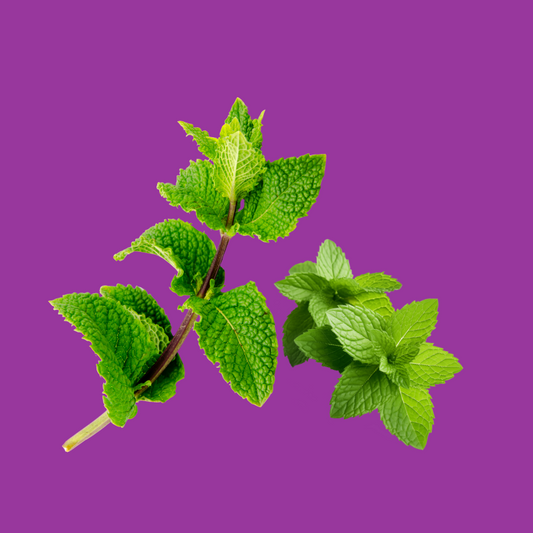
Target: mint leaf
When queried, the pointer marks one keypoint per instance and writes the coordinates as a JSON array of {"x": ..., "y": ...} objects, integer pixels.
[
  {"x": 302, "y": 287},
  {"x": 120, "y": 338},
  {"x": 408, "y": 414},
  {"x": 432, "y": 366},
  {"x": 195, "y": 191},
  {"x": 322, "y": 345},
  {"x": 141, "y": 302},
  {"x": 286, "y": 193},
  {"x": 257, "y": 137},
  {"x": 379, "y": 303},
  {"x": 238, "y": 167},
  {"x": 354, "y": 327},
  {"x": 331, "y": 262},
  {"x": 239, "y": 111},
  {"x": 306, "y": 266},
  {"x": 360, "y": 390},
  {"x": 237, "y": 331},
  {"x": 207, "y": 145},
  {"x": 298, "y": 322},
  {"x": 414, "y": 321},
  {"x": 164, "y": 387},
  {"x": 397, "y": 373},
  {"x": 319, "y": 304},
  {"x": 188, "y": 250},
  {"x": 380, "y": 281}
]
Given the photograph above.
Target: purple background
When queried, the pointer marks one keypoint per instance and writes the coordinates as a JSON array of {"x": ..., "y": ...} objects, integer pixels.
[{"x": 425, "y": 115}]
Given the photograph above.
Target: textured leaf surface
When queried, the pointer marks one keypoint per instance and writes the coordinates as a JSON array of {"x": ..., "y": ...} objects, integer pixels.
[
  {"x": 141, "y": 302},
  {"x": 397, "y": 373},
  {"x": 286, "y": 193},
  {"x": 237, "y": 331},
  {"x": 188, "y": 250},
  {"x": 379, "y": 303},
  {"x": 414, "y": 321},
  {"x": 240, "y": 112},
  {"x": 165, "y": 385},
  {"x": 238, "y": 168},
  {"x": 297, "y": 323},
  {"x": 432, "y": 366},
  {"x": 207, "y": 145},
  {"x": 120, "y": 338},
  {"x": 360, "y": 390},
  {"x": 354, "y": 327},
  {"x": 408, "y": 414},
  {"x": 322, "y": 345},
  {"x": 379, "y": 281},
  {"x": 319, "y": 304},
  {"x": 301, "y": 287},
  {"x": 257, "y": 136},
  {"x": 331, "y": 262},
  {"x": 306, "y": 266},
  {"x": 195, "y": 191}
]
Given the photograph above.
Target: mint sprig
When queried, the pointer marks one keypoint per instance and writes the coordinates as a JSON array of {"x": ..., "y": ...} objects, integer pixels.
[
  {"x": 348, "y": 324},
  {"x": 128, "y": 330}
]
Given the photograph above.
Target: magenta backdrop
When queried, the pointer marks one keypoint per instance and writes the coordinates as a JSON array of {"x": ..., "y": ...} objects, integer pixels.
[{"x": 425, "y": 115}]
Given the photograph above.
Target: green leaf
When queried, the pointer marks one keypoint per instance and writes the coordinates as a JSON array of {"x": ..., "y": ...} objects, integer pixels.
[
  {"x": 228, "y": 129},
  {"x": 397, "y": 373},
  {"x": 238, "y": 168},
  {"x": 207, "y": 145},
  {"x": 237, "y": 331},
  {"x": 408, "y": 414},
  {"x": 195, "y": 191},
  {"x": 286, "y": 193},
  {"x": 383, "y": 342},
  {"x": 331, "y": 262},
  {"x": 354, "y": 327},
  {"x": 319, "y": 304},
  {"x": 164, "y": 387},
  {"x": 432, "y": 366},
  {"x": 141, "y": 302},
  {"x": 188, "y": 250},
  {"x": 297, "y": 323},
  {"x": 406, "y": 352},
  {"x": 301, "y": 287},
  {"x": 306, "y": 266},
  {"x": 380, "y": 281},
  {"x": 414, "y": 321},
  {"x": 257, "y": 137},
  {"x": 379, "y": 303},
  {"x": 346, "y": 288},
  {"x": 360, "y": 390},
  {"x": 239, "y": 111},
  {"x": 322, "y": 345},
  {"x": 120, "y": 338}
]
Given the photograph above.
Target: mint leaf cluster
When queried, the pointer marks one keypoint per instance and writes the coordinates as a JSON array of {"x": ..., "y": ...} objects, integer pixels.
[
  {"x": 348, "y": 324},
  {"x": 128, "y": 330}
]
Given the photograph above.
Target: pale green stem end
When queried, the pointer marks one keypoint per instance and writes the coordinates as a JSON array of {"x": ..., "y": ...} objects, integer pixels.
[{"x": 87, "y": 432}]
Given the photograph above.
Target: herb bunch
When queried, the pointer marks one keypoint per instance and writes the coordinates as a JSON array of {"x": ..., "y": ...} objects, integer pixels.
[
  {"x": 129, "y": 331},
  {"x": 349, "y": 325}
]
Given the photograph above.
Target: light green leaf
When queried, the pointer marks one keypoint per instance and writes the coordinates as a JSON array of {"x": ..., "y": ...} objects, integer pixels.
[
  {"x": 297, "y": 323},
  {"x": 237, "y": 331},
  {"x": 141, "y": 302},
  {"x": 228, "y": 129},
  {"x": 286, "y": 193},
  {"x": 207, "y": 145},
  {"x": 346, "y": 288},
  {"x": 195, "y": 191},
  {"x": 188, "y": 250},
  {"x": 238, "y": 168},
  {"x": 406, "y": 352},
  {"x": 379, "y": 303},
  {"x": 354, "y": 327},
  {"x": 383, "y": 343},
  {"x": 380, "y": 281},
  {"x": 306, "y": 266},
  {"x": 331, "y": 262},
  {"x": 414, "y": 321},
  {"x": 257, "y": 137},
  {"x": 239, "y": 111},
  {"x": 301, "y": 287},
  {"x": 360, "y": 390},
  {"x": 319, "y": 304},
  {"x": 397, "y": 373},
  {"x": 322, "y": 345},
  {"x": 408, "y": 414},
  {"x": 432, "y": 366},
  {"x": 120, "y": 339},
  {"x": 164, "y": 387}
]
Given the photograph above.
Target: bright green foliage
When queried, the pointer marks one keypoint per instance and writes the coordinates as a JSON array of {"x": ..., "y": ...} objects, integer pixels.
[
  {"x": 408, "y": 414},
  {"x": 165, "y": 385},
  {"x": 195, "y": 191},
  {"x": 351, "y": 326},
  {"x": 239, "y": 111},
  {"x": 257, "y": 137},
  {"x": 237, "y": 331},
  {"x": 322, "y": 345},
  {"x": 239, "y": 166},
  {"x": 207, "y": 145},
  {"x": 432, "y": 366},
  {"x": 126, "y": 342},
  {"x": 298, "y": 322},
  {"x": 286, "y": 193},
  {"x": 188, "y": 250}
]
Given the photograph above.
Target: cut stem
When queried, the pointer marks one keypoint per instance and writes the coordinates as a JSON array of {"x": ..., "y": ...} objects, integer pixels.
[{"x": 87, "y": 432}]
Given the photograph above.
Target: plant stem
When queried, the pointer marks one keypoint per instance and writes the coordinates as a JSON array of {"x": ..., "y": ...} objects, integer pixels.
[{"x": 172, "y": 349}]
